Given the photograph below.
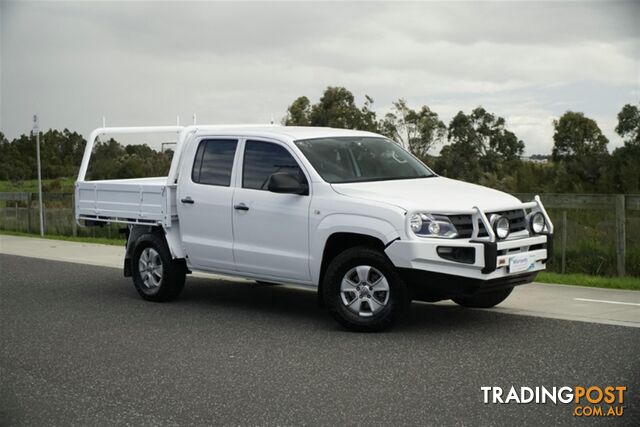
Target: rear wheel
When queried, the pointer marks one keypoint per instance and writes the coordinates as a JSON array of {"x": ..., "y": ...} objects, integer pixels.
[
  {"x": 484, "y": 300},
  {"x": 156, "y": 275},
  {"x": 363, "y": 291}
]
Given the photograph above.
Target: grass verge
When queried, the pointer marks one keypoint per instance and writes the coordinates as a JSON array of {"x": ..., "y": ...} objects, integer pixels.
[
  {"x": 57, "y": 185},
  {"x": 99, "y": 240},
  {"x": 631, "y": 283}
]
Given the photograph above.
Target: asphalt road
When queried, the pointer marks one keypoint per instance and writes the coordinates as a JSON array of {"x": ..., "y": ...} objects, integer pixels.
[{"x": 80, "y": 347}]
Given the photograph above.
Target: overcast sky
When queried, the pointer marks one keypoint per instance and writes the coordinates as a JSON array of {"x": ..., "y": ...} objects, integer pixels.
[{"x": 141, "y": 63}]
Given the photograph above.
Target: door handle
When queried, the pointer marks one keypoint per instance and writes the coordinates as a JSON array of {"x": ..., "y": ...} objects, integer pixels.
[
  {"x": 241, "y": 207},
  {"x": 188, "y": 200}
]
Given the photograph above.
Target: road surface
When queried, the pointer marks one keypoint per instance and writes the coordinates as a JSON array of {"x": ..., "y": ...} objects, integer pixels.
[
  {"x": 79, "y": 347},
  {"x": 608, "y": 306}
]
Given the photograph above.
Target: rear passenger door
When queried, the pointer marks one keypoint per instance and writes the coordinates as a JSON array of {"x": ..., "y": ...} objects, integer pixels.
[
  {"x": 271, "y": 230},
  {"x": 204, "y": 202}
]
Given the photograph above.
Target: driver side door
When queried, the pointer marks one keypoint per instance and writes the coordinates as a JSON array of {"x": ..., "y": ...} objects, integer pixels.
[{"x": 271, "y": 230}]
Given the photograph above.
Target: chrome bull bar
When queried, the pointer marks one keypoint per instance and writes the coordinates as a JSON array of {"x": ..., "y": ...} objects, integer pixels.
[{"x": 479, "y": 215}]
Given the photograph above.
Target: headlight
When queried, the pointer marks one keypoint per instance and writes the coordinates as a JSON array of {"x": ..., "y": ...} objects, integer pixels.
[
  {"x": 500, "y": 226},
  {"x": 537, "y": 222},
  {"x": 429, "y": 225},
  {"x": 416, "y": 223}
]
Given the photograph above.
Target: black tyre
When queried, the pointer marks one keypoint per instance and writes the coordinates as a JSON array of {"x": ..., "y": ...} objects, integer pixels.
[
  {"x": 485, "y": 299},
  {"x": 156, "y": 275},
  {"x": 363, "y": 291}
]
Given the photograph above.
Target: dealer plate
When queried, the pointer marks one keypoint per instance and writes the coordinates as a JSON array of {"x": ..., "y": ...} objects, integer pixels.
[{"x": 519, "y": 263}]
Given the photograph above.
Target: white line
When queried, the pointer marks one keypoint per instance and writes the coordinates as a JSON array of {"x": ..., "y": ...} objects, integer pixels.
[{"x": 607, "y": 302}]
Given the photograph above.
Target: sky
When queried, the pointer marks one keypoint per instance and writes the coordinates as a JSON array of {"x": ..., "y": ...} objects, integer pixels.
[{"x": 145, "y": 63}]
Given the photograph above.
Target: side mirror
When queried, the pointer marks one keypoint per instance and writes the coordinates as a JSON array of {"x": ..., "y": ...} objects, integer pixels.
[{"x": 283, "y": 182}]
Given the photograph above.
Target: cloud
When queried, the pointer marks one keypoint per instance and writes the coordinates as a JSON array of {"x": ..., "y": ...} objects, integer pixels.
[{"x": 144, "y": 63}]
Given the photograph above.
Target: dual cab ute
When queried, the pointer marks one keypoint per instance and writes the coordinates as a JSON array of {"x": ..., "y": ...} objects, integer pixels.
[{"x": 350, "y": 213}]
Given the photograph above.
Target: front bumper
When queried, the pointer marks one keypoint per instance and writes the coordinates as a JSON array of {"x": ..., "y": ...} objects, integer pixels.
[
  {"x": 491, "y": 260},
  {"x": 486, "y": 258}
]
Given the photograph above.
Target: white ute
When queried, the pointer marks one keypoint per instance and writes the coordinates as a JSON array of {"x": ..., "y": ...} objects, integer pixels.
[{"x": 350, "y": 213}]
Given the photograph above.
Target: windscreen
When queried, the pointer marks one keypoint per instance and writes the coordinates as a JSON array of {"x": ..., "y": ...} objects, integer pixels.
[{"x": 359, "y": 159}]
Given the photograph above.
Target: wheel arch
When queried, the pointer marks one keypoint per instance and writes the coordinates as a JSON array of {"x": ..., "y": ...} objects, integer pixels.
[{"x": 346, "y": 229}]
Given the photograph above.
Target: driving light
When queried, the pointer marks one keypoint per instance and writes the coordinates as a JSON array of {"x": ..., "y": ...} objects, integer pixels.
[
  {"x": 430, "y": 225},
  {"x": 415, "y": 222},
  {"x": 537, "y": 223},
  {"x": 500, "y": 226}
]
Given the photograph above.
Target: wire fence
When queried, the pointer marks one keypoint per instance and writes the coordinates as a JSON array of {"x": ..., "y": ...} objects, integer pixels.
[
  {"x": 20, "y": 212},
  {"x": 594, "y": 234}
]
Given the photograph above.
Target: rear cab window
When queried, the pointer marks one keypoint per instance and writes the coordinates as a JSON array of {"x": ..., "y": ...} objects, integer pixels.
[{"x": 213, "y": 162}]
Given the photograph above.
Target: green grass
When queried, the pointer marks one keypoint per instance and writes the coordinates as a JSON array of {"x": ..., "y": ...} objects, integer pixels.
[
  {"x": 631, "y": 283},
  {"x": 99, "y": 240},
  {"x": 58, "y": 185}
]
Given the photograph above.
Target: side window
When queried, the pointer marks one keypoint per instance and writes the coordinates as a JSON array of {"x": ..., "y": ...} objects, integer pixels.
[
  {"x": 261, "y": 159},
  {"x": 214, "y": 161}
]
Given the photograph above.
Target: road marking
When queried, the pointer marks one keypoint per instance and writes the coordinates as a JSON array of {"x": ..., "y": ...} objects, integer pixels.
[{"x": 606, "y": 302}]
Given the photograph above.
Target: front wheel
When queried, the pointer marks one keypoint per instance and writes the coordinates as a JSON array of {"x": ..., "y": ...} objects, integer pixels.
[
  {"x": 363, "y": 291},
  {"x": 156, "y": 275},
  {"x": 484, "y": 300}
]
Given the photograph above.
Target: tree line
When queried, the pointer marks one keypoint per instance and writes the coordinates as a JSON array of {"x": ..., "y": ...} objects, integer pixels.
[
  {"x": 477, "y": 147},
  {"x": 61, "y": 154}
]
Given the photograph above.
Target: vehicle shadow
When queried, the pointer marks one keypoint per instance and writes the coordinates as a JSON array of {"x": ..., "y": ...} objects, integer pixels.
[{"x": 286, "y": 303}]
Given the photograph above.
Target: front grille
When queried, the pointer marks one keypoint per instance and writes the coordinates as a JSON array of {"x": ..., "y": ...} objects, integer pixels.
[{"x": 464, "y": 223}]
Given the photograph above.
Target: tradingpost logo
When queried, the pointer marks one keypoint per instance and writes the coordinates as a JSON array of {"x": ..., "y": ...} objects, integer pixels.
[{"x": 588, "y": 401}]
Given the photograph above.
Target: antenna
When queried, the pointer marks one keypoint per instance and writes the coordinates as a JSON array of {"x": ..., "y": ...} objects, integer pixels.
[
  {"x": 104, "y": 122},
  {"x": 194, "y": 119},
  {"x": 178, "y": 120}
]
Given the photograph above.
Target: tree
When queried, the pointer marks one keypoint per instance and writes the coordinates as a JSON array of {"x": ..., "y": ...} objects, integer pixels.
[
  {"x": 480, "y": 147},
  {"x": 577, "y": 136},
  {"x": 368, "y": 118},
  {"x": 625, "y": 170},
  {"x": 629, "y": 124},
  {"x": 336, "y": 108},
  {"x": 581, "y": 146},
  {"x": 419, "y": 131},
  {"x": 11, "y": 166},
  {"x": 299, "y": 112},
  {"x": 625, "y": 159}
]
